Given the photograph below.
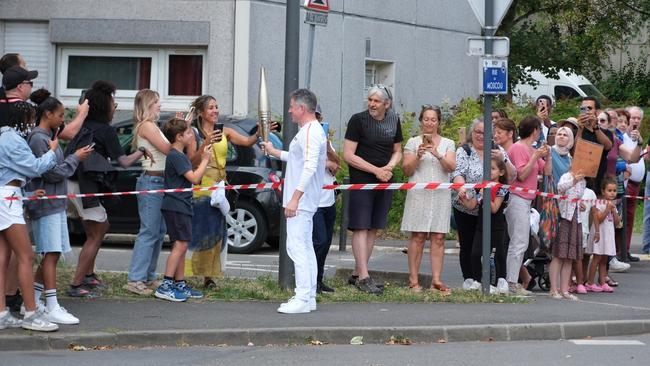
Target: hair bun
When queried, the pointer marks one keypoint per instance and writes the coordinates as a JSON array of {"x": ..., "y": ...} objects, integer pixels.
[{"x": 40, "y": 95}]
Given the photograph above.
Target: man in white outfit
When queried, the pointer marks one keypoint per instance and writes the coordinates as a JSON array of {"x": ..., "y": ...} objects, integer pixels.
[{"x": 303, "y": 183}]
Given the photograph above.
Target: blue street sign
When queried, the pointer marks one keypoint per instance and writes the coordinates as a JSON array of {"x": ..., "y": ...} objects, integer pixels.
[{"x": 495, "y": 76}]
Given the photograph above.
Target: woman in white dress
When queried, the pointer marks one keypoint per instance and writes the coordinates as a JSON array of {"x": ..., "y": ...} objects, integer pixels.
[{"x": 428, "y": 158}]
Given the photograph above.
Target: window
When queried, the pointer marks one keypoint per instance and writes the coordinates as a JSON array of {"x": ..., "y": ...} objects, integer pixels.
[
  {"x": 565, "y": 92},
  {"x": 379, "y": 72},
  {"x": 177, "y": 74}
]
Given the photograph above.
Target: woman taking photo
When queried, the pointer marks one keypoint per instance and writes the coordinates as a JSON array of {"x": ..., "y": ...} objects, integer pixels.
[
  {"x": 428, "y": 158},
  {"x": 529, "y": 164},
  {"x": 209, "y": 232},
  {"x": 147, "y": 135},
  {"x": 92, "y": 212},
  {"x": 469, "y": 169}
]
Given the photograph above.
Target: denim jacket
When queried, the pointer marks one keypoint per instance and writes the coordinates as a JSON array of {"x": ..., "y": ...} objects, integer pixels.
[{"x": 17, "y": 162}]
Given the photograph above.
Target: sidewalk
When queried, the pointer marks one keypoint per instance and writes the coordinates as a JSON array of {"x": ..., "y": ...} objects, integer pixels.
[{"x": 150, "y": 322}]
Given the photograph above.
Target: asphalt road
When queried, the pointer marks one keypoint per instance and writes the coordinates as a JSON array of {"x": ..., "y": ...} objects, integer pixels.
[{"x": 619, "y": 351}]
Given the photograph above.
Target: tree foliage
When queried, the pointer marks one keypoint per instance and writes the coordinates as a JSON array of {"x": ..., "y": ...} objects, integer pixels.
[{"x": 573, "y": 35}]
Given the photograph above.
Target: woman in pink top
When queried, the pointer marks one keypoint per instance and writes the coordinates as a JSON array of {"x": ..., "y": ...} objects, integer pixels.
[{"x": 529, "y": 162}]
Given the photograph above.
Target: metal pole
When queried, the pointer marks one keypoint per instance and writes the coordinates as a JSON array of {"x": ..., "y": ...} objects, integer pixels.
[
  {"x": 310, "y": 54},
  {"x": 345, "y": 204},
  {"x": 487, "y": 146},
  {"x": 289, "y": 129}
]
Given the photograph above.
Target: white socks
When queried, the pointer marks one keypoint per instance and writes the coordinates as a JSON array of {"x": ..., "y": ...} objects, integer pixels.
[
  {"x": 50, "y": 299},
  {"x": 38, "y": 290}
]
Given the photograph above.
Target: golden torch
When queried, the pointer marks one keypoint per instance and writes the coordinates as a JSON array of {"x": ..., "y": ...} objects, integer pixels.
[{"x": 264, "y": 107}]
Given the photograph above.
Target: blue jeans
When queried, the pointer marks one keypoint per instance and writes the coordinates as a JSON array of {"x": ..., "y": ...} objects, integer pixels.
[
  {"x": 152, "y": 230},
  {"x": 646, "y": 217},
  {"x": 322, "y": 234}
]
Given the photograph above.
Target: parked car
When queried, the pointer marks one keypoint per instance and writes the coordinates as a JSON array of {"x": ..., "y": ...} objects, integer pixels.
[
  {"x": 255, "y": 217},
  {"x": 565, "y": 86}
]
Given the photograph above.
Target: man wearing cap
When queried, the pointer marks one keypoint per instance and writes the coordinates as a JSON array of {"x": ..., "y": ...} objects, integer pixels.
[{"x": 18, "y": 84}]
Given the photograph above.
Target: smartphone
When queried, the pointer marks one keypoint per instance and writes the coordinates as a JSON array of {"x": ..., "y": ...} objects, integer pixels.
[
  {"x": 82, "y": 97},
  {"x": 427, "y": 139},
  {"x": 218, "y": 127},
  {"x": 494, "y": 145},
  {"x": 92, "y": 145},
  {"x": 634, "y": 128},
  {"x": 584, "y": 109},
  {"x": 462, "y": 134},
  {"x": 58, "y": 131}
]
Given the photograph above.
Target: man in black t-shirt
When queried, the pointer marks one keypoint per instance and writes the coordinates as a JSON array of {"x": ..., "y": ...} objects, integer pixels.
[
  {"x": 590, "y": 131},
  {"x": 372, "y": 148}
]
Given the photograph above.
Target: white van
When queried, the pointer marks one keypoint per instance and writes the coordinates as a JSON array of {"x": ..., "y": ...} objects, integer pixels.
[{"x": 567, "y": 86}]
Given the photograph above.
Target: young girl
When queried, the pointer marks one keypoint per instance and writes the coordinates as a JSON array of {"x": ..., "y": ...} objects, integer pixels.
[
  {"x": 568, "y": 244},
  {"x": 498, "y": 201},
  {"x": 17, "y": 165},
  {"x": 603, "y": 243},
  {"x": 49, "y": 222}
]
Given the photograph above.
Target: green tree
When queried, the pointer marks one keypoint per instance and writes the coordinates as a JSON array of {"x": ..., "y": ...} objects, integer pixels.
[{"x": 573, "y": 35}]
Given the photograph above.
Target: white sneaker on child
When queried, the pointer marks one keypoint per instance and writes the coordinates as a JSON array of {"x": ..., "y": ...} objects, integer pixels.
[
  {"x": 60, "y": 315},
  {"x": 40, "y": 307}
]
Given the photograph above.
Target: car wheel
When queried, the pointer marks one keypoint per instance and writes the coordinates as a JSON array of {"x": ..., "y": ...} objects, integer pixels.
[{"x": 246, "y": 228}]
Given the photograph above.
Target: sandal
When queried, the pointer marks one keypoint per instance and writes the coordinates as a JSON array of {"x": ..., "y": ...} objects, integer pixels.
[
  {"x": 611, "y": 282},
  {"x": 570, "y": 297},
  {"x": 210, "y": 285},
  {"x": 555, "y": 296},
  {"x": 415, "y": 287},
  {"x": 441, "y": 287}
]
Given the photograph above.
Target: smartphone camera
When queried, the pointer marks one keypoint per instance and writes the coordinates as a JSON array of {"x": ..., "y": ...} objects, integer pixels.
[
  {"x": 494, "y": 145},
  {"x": 82, "y": 97},
  {"x": 584, "y": 109}
]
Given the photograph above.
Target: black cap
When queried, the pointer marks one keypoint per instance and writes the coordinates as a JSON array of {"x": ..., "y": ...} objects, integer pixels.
[{"x": 15, "y": 75}]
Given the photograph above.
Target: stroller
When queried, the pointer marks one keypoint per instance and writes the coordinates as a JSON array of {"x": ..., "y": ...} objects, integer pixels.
[{"x": 537, "y": 258}]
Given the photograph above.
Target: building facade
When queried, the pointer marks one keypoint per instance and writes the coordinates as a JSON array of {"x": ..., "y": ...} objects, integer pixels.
[{"x": 184, "y": 48}]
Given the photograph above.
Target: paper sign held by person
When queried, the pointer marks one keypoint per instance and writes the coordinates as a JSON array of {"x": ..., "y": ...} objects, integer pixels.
[{"x": 586, "y": 158}]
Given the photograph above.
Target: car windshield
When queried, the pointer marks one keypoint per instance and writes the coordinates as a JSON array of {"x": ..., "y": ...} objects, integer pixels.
[{"x": 592, "y": 91}]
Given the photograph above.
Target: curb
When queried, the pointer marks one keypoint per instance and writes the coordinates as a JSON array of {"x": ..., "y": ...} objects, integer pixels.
[{"x": 330, "y": 335}]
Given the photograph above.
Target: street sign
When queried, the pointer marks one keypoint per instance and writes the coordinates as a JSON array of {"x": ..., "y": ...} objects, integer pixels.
[
  {"x": 318, "y": 5},
  {"x": 500, "y": 10},
  {"x": 316, "y": 18},
  {"x": 494, "y": 74},
  {"x": 500, "y": 46}
]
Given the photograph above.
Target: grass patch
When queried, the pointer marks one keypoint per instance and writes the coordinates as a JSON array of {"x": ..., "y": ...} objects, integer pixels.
[{"x": 267, "y": 289}]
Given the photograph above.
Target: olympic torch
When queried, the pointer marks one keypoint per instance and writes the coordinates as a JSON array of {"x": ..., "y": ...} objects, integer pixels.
[{"x": 264, "y": 107}]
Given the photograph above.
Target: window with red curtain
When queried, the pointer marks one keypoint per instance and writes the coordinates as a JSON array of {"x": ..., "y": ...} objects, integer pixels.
[{"x": 185, "y": 75}]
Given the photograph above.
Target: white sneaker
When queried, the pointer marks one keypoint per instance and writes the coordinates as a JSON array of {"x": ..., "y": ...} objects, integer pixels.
[
  {"x": 502, "y": 286},
  {"x": 40, "y": 308},
  {"x": 517, "y": 290},
  {"x": 9, "y": 321},
  {"x": 617, "y": 266},
  {"x": 38, "y": 323},
  {"x": 312, "y": 304},
  {"x": 476, "y": 286},
  {"x": 60, "y": 316},
  {"x": 493, "y": 290},
  {"x": 294, "y": 306},
  {"x": 467, "y": 285}
]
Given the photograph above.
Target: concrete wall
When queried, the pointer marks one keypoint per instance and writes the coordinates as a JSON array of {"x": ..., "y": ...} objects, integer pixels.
[{"x": 424, "y": 38}]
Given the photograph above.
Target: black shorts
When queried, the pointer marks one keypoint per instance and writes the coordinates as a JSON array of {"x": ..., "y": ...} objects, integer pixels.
[
  {"x": 179, "y": 226},
  {"x": 369, "y": 209}
]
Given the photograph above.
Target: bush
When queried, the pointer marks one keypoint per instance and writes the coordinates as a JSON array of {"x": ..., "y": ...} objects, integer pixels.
[{"x": 629, "y": 85}]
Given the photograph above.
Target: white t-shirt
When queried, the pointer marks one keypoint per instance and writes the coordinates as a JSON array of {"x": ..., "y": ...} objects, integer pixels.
[
  {"x": 584, "y": 215},
  {"x": 638, "y": 168},
  {"x": 305, "y": 166}
]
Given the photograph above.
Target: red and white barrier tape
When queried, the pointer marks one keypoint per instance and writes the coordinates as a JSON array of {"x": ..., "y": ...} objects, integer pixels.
[{"x": 359, "y": 186}]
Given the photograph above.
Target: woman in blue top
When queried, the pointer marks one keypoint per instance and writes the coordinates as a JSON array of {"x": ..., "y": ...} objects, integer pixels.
[
  {"x": 17, "y": 165},
  {"x": 560, "y": 152}
]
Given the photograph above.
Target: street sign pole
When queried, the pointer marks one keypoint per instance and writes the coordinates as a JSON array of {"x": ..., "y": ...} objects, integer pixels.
[
  {"x": 289, "y": 129},
  {"x": 310, "y": 54},
  {"x": 487, "y": 146}
]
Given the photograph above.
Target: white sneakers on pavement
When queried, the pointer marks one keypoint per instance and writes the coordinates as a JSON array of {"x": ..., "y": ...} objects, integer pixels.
[
  {"x": 467, "y": 284},
  {"x": 295, "y": 306},
  {"x": 37, "y": 322},
  {"x": 617, "y": 266},
  {"x": 502, "y": 287},
  {"x": 9, "y": 321},
  {"x": 60, "y": 316},
  {"x": 40, "y": 307}
]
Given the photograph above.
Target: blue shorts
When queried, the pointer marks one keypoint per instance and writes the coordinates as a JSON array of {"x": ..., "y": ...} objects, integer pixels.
[
  {"x": 51, "y": 233},
  {"x": 369, "y": 209},
  {"x": 179, "y": 226}
]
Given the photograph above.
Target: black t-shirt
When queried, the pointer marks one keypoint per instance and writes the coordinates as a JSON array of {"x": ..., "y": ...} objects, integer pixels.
[
  {"x": 498, "y": 221},
  {"x": 176, "y": 165},
  {"x": 602, "y": 168},
  {"x": 375, "y": 141},
  {"x": 107, "y": 144}
]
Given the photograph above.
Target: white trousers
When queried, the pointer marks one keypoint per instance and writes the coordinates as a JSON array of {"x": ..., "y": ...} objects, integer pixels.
[
  {"x": 518, "y": 218},
  {"x": 301, "y": 251}
]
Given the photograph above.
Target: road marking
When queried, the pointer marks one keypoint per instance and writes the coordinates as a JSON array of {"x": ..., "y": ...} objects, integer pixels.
[
  {"x": 616, "y": 305},
  {"x": 605, "y": 342},
  {"x": 253, "y": 269}
]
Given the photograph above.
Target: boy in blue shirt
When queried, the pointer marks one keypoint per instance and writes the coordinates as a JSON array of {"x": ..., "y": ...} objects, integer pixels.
[{"x": 177, "y": 208}]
